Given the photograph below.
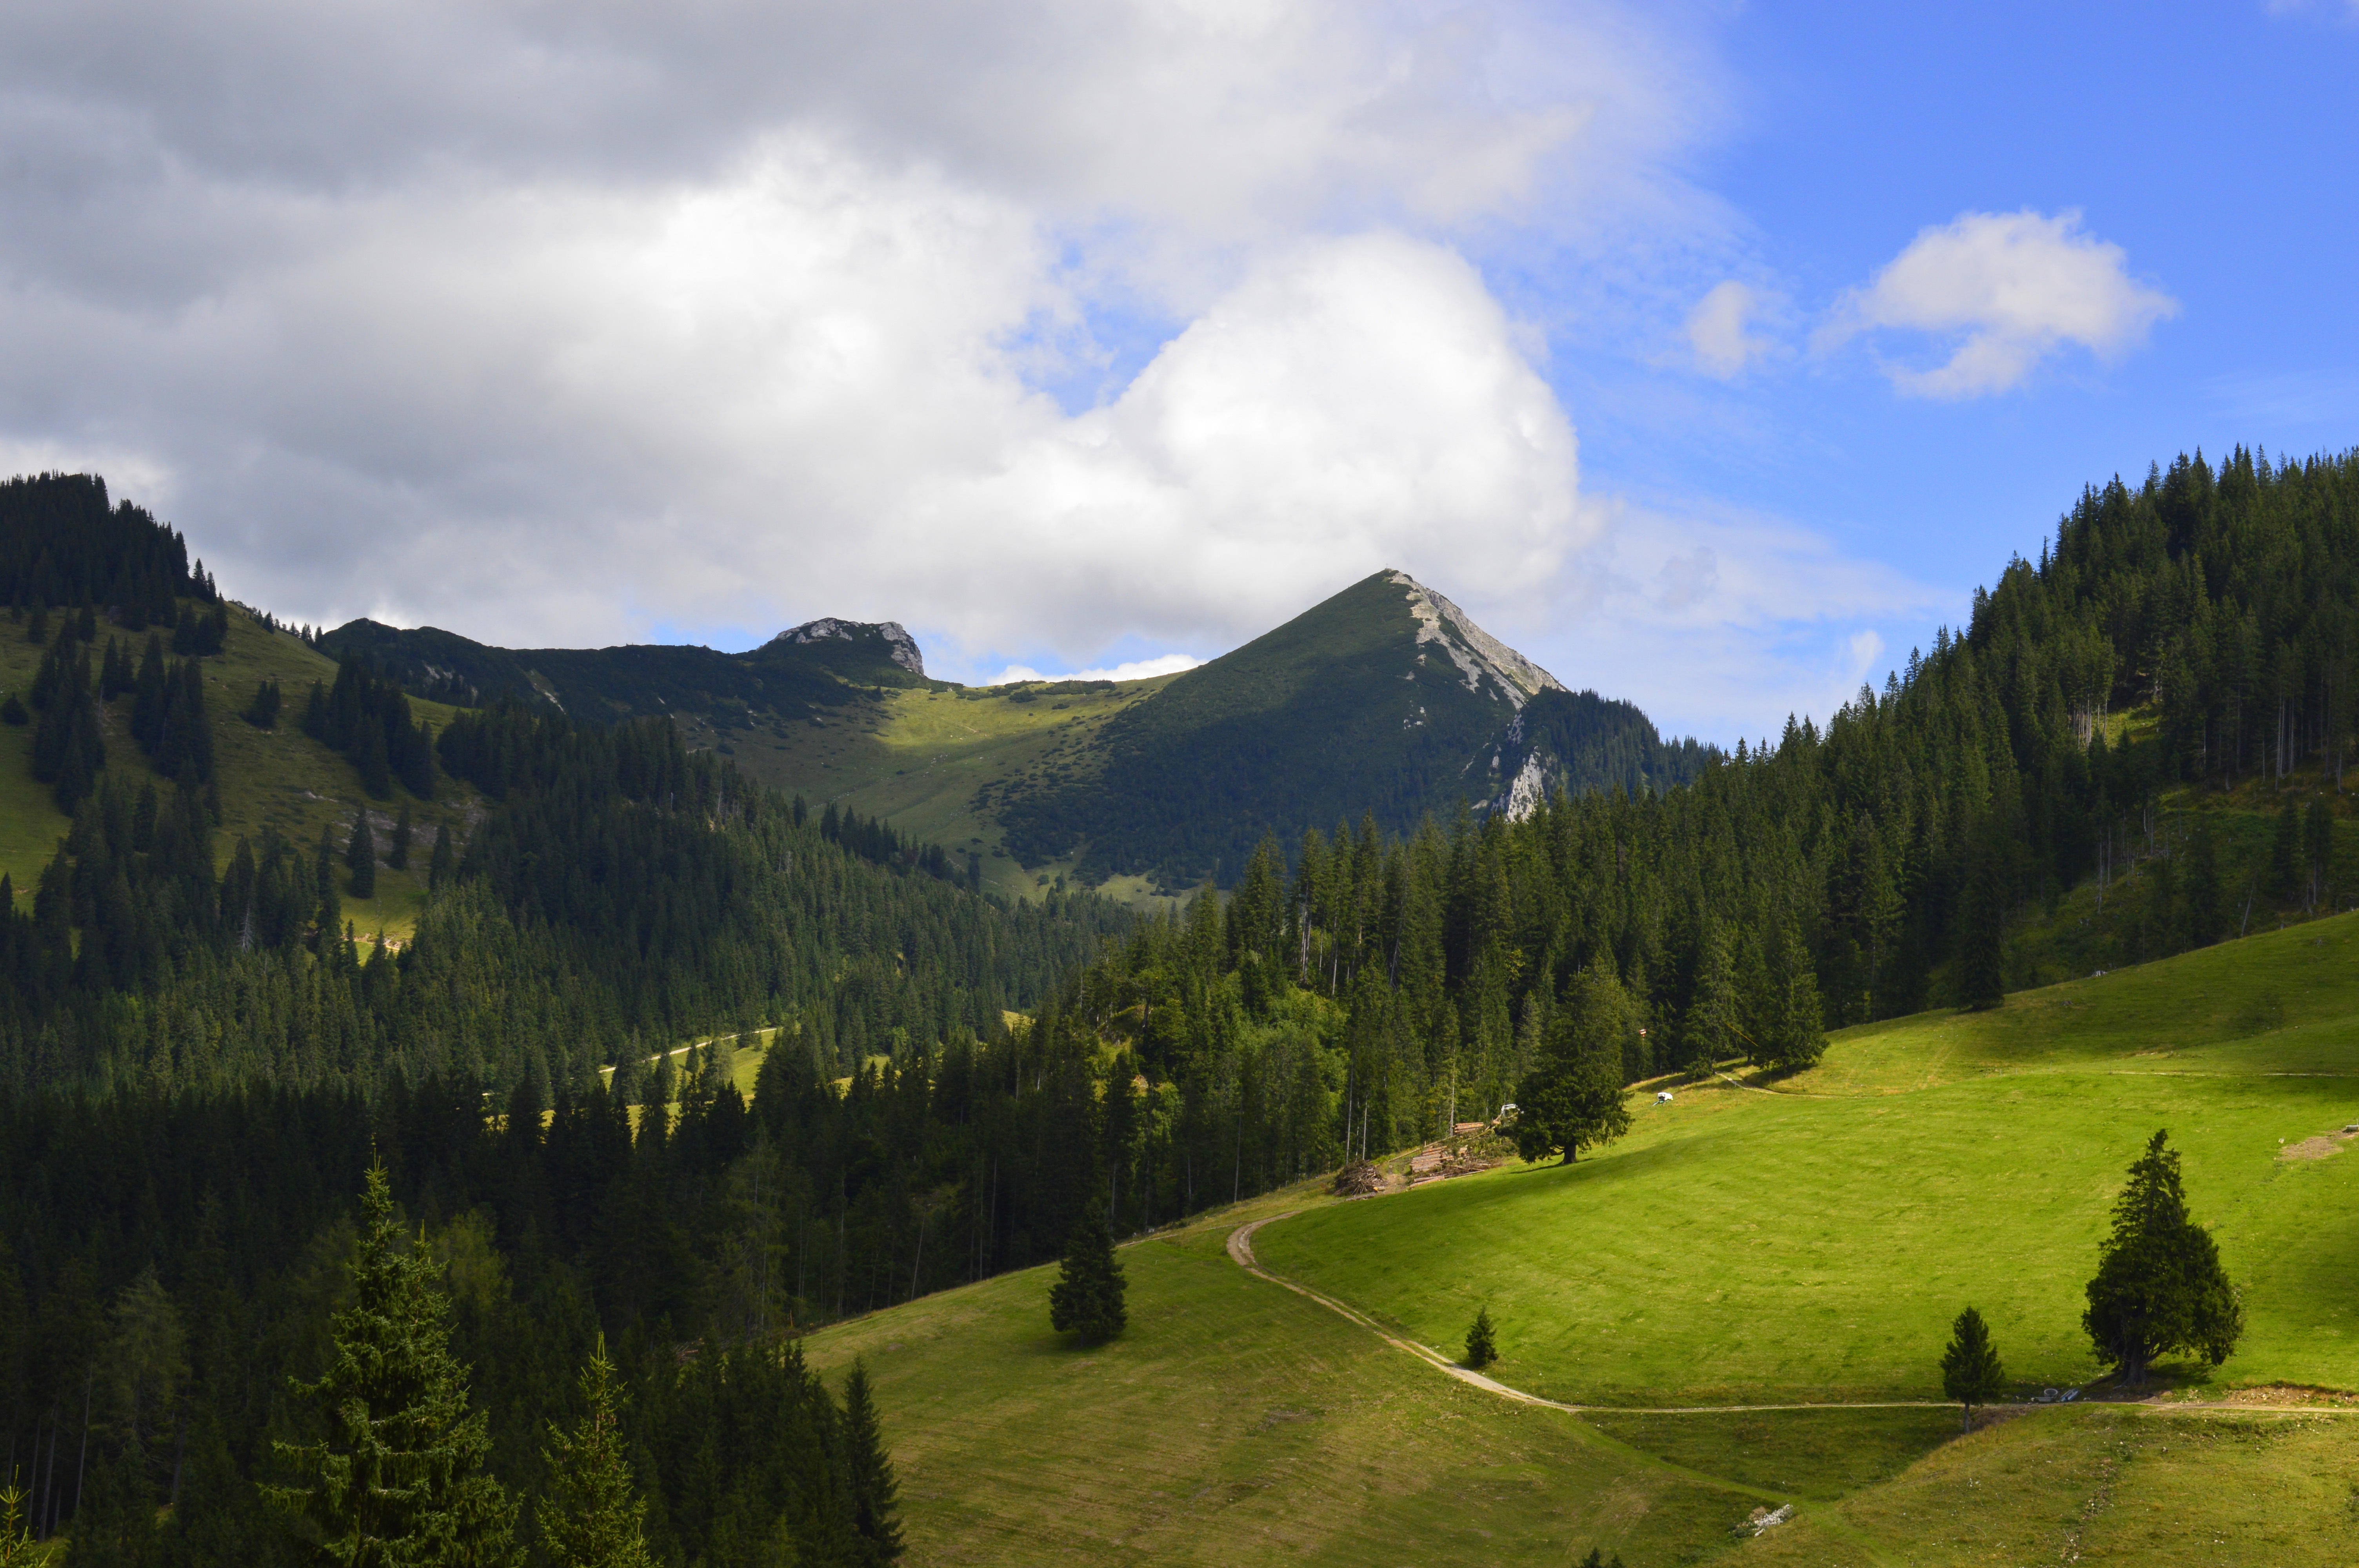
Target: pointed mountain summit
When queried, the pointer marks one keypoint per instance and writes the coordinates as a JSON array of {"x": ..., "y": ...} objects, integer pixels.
[{"x": 1385, "y": 699}]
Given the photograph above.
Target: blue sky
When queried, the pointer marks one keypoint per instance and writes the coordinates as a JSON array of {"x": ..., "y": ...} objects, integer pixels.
[{"x": 1711, "y": 355}]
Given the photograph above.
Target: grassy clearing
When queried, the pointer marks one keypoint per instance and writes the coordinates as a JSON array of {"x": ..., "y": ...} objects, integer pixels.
[
  {"x": 1814, "y": 1245},
  {"x": 2097, "y": 1485},
  {"x": 916, "y": 757},
  {"x": 280, "y": 777},
  {"x": 1234, "y": 1423}
]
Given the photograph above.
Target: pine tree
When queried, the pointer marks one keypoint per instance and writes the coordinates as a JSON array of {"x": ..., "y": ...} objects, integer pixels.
[
  {"x": 445, "y": 860},
  {"x": 2160, "y": 1285},
  {"x": 1798, "y": 1036},
  {"x": 1482, "y": 1345},
  {"x": 868, "y": 1469},
  {"x": 400, "y": 1476},
  {"x": 1981, "y": 949},
  {"x": 1087, "y": 1299},
  {"x": 1574, "y": 1097},
  {"x": 359, "y": 855},
  {"x": 1970, "y": 1372},
  {"x": 592, "y": 1517},
  {"x": 397, "y": 854}
]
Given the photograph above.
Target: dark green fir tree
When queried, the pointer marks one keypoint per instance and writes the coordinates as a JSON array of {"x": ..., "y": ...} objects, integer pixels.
[
  {"x": 868, "y": 1469},
  {"x": 398, "y": 1475},
  {"x": 1482, "y": 1342},
  {"x": 2285, "y": 853},
  {"x": 1087, "y": 1299},
  {"x": 2160, "y": 1285},
  {"x": 359, "y": 855},
  {"x": 1574, "y": 1097},
  {"x": 396, "y": 853},
  {"x": 1981, "y": 935},
  {"x": 592, "y": 1517},
  {"x": 444, "y": 860},
  {"x": 1971, "y": 1371}
]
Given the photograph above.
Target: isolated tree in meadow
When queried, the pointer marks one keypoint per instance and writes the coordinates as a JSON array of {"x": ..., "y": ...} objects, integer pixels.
[
  {"x": 398, "y": 1478},
  {"x": 1573, "y": 1097},
  {"x": 868, "y": 1469},
  {"x": 359, "y": 855},
  {"x": 1087, "y": 1299},
  {"x": 592, "y": 1516},
  {"x": 1970, "y": 1372},
  {"x": 1482, "y": 1342},
  {"x": 2160, "y": 1285}
]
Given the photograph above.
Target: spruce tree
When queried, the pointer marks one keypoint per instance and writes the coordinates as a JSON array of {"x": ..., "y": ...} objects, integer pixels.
[
  {"x": 1982, "y": 939},
  {"x": 398, "y": 1477},
  {"x": 1970, "y": 1372},
  {"x": 359, "y": 855},
  {"x": 2206, "y": 909},
  {"x": 17, "y": 1548},
  {"x": 445, "y": 860},
  {"x": 1087, "y": 1299},
  {"x": 1709, "y": 1030},
  {"x": 1798, "y": 1036},
  {"x": 2160, "y": 1285},
  {"x": 1574, "y": 1097},
  {"x": 592, "y": 1517},
  {"x": 397, "y": 854},
  {"x": 868, "y": 1469},
  {"x": 1481, "y": 1343}
]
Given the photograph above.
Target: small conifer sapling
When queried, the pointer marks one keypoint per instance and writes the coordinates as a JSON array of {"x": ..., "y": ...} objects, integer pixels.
[
  {"x": 1482, "y": 1345},
  {"x": 1087, "y": 1299},
  {"x": 1970, "y": 1372}
]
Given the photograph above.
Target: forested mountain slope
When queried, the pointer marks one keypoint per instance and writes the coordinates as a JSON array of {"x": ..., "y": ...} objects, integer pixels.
[{"x": 1385, "y": 699}]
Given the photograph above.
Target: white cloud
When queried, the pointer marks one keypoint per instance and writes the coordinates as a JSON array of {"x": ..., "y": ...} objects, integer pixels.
[
  {"x": 1135, "y": 670},
  {"x": 1714, "y": 622},
  {"x": 555, "y": 325},
  {"x": 1719, "y": 330},
  {"x": 2010, "y": 289}
]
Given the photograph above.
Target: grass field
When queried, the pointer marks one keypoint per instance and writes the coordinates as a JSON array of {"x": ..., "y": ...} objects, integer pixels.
[
  {"x": 1815, "y": 1243},
  {"x": 1739, "y": 1247},
  {"x": 916, "y": 757},
  {"x": 280, "y": 777}
]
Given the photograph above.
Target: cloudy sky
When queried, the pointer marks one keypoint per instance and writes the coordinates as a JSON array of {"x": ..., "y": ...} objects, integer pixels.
[{"x": 1709, "y": 353}]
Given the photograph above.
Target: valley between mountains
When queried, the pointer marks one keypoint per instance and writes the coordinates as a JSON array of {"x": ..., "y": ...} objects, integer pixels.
[{"x": 782, "y": 1107}]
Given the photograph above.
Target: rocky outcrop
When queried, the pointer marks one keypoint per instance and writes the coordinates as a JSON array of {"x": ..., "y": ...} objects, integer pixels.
[{"x": 902, "y": 647}]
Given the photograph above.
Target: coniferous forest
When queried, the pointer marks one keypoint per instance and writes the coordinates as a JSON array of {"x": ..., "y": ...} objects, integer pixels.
[{"x": 199, "y": 1065}]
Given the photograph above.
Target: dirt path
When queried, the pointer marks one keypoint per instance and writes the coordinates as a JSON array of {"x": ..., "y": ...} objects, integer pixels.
[{"x": 1240, "y": 1252}]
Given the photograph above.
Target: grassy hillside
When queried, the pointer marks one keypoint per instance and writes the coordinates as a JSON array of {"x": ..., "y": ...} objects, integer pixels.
[
  {"x": 1814, "y": 1243},
  {"x": 1741, "y": 1246},
  {"x": 1234, "y": 1423},
  {"x": 280, "y": 777},
  {"x": 920, "y": 757}
]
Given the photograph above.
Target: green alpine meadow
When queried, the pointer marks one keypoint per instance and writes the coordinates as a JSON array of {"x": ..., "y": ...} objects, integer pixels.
[{"x": 1354, "y": 1098}]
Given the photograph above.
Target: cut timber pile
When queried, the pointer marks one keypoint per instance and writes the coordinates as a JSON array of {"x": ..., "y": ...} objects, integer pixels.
[
  {"x": 1474, "y": 1149},
  {"x": 1358, "y": 1180}
]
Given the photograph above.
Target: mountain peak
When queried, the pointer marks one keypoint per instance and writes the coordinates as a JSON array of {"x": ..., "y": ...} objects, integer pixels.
[
  {"x": 1475, "y": 651},
  {"x": 902, "y": 648}
]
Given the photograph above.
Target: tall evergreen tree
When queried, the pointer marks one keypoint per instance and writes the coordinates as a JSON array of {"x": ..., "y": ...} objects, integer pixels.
[
  {"x": 359, "y": 855},
  {"x": 1798, "y": 1035},
  {"x": 1087, "y": 1299},
  {"x": 1982, "y": 935},
  {"x": 443, "y": 862},
  {"x": 2318, "y": 847},
  {"x": 1574, "y": 1097},
  {"x": 868, "y": 1468},
  {"x": 2285, "y": 852},
  {"x": 1971, "y": 1371},
  {"x": 397, "y": 854},
  {"x": 2160, "y": 1285},
  {"x": 398, "y": 1476},
  {"x": 592, "y": 1517}
]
